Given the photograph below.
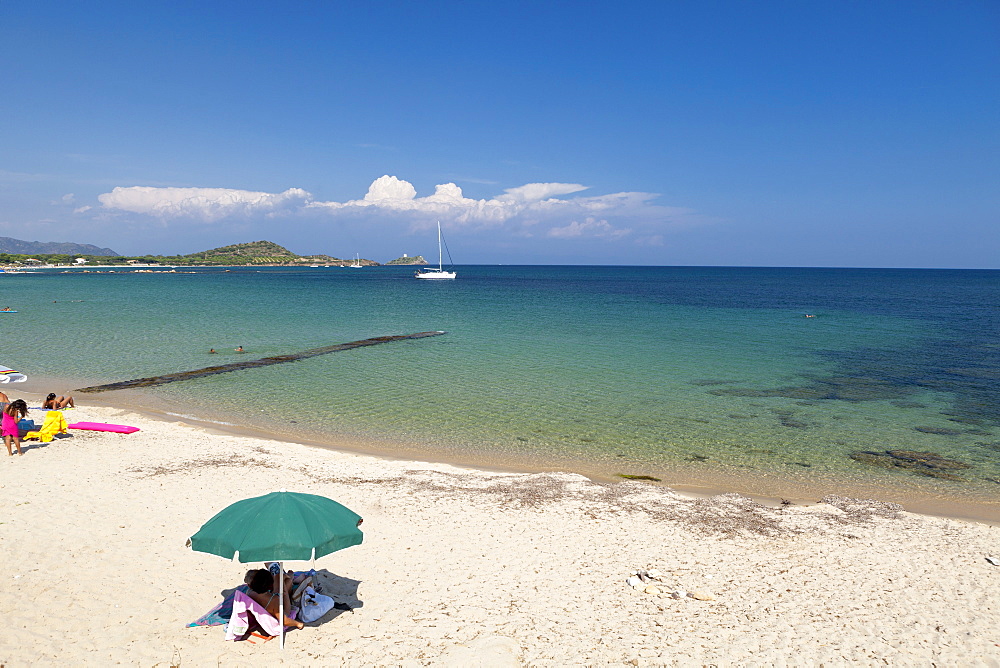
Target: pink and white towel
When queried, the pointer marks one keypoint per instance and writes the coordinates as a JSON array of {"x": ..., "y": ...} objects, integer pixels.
[{"x": 244, "y": 608}]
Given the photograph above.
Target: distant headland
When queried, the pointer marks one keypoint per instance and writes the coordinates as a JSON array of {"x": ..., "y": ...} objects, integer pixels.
[{"x": 14, "y": 252}]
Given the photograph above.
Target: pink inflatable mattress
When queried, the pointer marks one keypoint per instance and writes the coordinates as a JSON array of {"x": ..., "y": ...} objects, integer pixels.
[{"x": 103, "y": 426}]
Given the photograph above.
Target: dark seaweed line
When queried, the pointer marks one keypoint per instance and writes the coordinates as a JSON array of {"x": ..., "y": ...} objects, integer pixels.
[{"x": 251, "y": 364}]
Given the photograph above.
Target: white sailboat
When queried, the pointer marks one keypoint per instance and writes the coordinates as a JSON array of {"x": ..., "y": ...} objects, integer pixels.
[
  {"x": 439, "y": 272},
  {"x": 357, "y": 262}
]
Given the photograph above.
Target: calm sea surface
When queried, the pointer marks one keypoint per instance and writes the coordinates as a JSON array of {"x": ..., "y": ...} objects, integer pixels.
[{"x": 707, "y": 377}]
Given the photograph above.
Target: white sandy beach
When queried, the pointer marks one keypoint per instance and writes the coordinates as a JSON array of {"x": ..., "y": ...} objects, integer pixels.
[{"x": 464, "y": 567}]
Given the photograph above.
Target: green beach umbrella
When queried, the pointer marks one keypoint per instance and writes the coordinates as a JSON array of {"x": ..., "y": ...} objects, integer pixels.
[{"x": 278, "y": 526}]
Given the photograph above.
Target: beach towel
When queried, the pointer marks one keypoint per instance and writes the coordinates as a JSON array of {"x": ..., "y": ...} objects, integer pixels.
[
  {"x": 221, "y": 613},
  {"x": 53, "y": 424},
  {"x": 246, "y": 610}
]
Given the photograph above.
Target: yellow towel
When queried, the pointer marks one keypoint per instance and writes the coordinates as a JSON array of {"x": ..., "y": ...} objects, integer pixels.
[{"x": 54, "y": 424}]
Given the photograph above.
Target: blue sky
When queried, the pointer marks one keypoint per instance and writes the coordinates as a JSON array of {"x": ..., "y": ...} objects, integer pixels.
[{"x": 648, "y": 133}]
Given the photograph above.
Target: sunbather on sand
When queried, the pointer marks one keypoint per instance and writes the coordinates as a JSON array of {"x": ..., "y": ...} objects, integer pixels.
[
  {"x": 264, "y": 590},
  {"x": 52, "y": 402}
]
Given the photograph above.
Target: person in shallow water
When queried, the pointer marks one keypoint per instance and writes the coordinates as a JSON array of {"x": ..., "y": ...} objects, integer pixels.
[
  {"x": 211, "y": 350},
  {"x": 239, "y": 349}
]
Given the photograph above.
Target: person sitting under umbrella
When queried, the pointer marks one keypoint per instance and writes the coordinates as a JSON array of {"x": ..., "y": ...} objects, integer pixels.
[{"x": 264, "y": 590}]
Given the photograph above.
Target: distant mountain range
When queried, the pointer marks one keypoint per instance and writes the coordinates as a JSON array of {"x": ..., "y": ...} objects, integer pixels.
[{"x": 18, "y": 247}]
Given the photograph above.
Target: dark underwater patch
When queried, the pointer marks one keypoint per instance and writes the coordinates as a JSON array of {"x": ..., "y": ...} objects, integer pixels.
[
  {"x": 928, "y": 464},
  {"x": 841, "y": 388},
  {"x": 940, "y": 431}
]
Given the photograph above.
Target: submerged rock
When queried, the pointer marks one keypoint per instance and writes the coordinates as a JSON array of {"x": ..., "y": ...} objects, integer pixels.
[
  {"x": 842, "y": 388},
  {"x": 928, "y": 464},
  {"x": 941, "y": 431},
  {"x": 962, "y": 419},
  {"x": 787, "y": 420},
  {"x": 908, "y": 404}
]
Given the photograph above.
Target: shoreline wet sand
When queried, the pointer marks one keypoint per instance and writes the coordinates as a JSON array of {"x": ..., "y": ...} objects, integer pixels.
[
  {"x": 462, "y": 565},
  {"x": 767, "y": 487}
]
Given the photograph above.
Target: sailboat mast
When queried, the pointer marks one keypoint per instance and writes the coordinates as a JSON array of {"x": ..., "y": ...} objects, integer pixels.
[{"x": 440, "y": 260}]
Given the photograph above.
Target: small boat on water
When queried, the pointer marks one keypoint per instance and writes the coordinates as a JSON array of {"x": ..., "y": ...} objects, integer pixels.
[
  {"x": 439, "y": 272},
  {"x": 357, "y": 262}
]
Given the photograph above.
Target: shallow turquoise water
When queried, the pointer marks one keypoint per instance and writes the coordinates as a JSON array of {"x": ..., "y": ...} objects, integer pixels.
[{"x": 689, "y": 373}]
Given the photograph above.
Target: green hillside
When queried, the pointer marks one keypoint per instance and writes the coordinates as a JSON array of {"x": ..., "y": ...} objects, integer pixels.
[
  {"x": 255, "y": 252},
  {"x": 416, "y": 259},
  {"x": 252, "y": 253}
]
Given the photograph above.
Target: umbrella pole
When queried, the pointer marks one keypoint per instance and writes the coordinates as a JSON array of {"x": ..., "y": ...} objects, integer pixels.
[{"x": 281, "y": 601}]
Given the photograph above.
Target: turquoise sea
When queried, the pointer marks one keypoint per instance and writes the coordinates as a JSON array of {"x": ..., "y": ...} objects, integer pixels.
[{"x": 707, "y": 378}]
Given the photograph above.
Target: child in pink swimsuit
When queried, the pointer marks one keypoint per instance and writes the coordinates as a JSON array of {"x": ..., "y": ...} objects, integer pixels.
[{"x": 12, "y": 412}]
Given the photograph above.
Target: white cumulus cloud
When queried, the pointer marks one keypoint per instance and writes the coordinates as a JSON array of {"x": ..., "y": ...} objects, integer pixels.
[
  {"x": 549, "y": 210},
  {"x": 206, "y": 204},
  {"x": 448, "y": 201},
  {"x": 536, "y": 192},
  {"x": 522, "y": 206},
  {"x": 589, "y": 227}
]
